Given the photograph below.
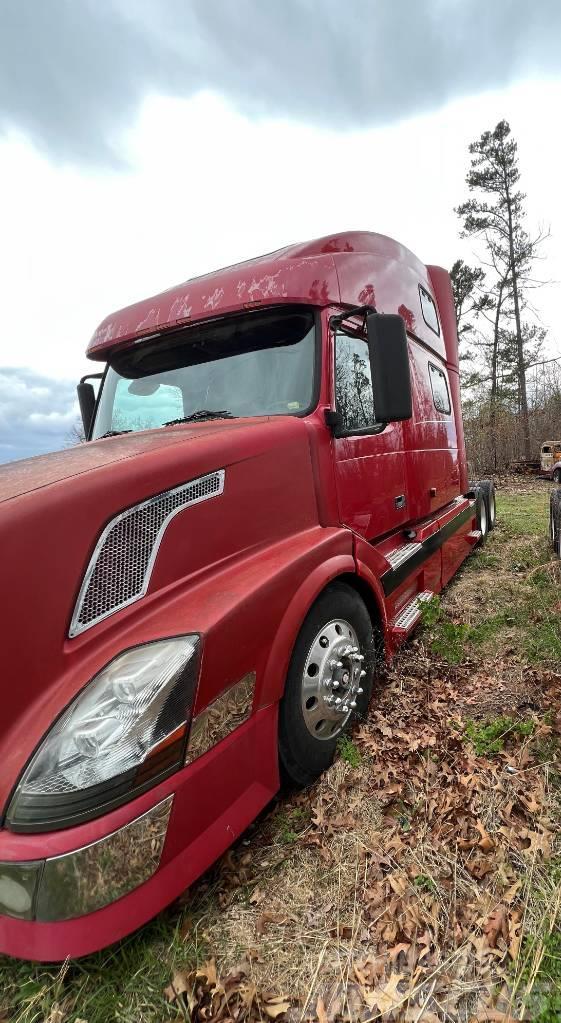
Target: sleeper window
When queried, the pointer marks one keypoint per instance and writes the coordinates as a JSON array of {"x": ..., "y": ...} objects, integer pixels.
[
  {"x": 428, "y": 309},
  {"x": 353, "y": 383},
  {"x": 440, "y": 393}
]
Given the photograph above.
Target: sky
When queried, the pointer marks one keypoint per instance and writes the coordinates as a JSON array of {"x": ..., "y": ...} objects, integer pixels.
[{"x": 143, "y": 142}]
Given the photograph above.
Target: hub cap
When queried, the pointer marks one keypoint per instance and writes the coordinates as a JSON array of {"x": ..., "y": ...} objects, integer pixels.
[{"x": 332, "y": 679}]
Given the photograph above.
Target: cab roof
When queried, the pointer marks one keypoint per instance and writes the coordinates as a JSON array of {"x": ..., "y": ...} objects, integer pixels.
[{"x": 349, "y": 269}]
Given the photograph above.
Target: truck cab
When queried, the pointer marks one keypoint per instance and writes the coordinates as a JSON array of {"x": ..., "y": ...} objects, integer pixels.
[{"x": 274, "y": 481}]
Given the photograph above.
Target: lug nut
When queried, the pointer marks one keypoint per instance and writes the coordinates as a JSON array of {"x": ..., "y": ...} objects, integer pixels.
[
  {"x": 362, "y": 674},
  {"x": 345, "y": 708},
  {"x": 359, "y": 691},
  {"x": 353, "y": 704},
  {"x": 335, "y": 684},
  {"x": 337, "y": 701}
]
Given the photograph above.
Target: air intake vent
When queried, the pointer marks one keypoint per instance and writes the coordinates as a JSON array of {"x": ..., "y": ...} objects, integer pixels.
[{"x": 122, "y": 562}]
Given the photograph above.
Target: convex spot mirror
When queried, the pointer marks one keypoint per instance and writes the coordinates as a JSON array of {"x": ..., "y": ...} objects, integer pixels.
[{"x": 389, "y": 365}]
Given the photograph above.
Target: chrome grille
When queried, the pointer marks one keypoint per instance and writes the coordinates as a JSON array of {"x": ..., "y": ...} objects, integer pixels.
[{"x": 121, "y": 564}]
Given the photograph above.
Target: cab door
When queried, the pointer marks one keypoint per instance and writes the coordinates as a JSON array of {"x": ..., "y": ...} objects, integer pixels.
[{"x": 369, "y": 457}]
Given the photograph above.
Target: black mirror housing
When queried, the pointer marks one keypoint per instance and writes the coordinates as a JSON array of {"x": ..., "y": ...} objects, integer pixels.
[
  {"x": 389, "y": 365},
  {"x": 86, "y": 401}
]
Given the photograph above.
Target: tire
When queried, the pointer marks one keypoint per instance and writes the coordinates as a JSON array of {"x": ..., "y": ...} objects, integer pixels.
[
  {"x": 488, "y": 489},
  {"x": 557, "y": 475},
  {"x": 555, "y": 522},
  {"x": 324, "y": 653},
  {"x": 481, "y": 514}
]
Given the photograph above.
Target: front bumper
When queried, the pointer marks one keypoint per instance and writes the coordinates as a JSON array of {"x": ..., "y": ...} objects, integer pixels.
[
  {"x": 100, "y": 881},
  {"x": 83, "y": 881}
]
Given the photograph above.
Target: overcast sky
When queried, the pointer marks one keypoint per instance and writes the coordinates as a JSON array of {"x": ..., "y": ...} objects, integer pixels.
[{"x": 145, "y": 141}]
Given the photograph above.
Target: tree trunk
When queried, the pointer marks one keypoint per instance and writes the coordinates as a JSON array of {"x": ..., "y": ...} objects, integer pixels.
[
  {"x": 494, "y": 366},
  {"x": 519, "y": 340}
]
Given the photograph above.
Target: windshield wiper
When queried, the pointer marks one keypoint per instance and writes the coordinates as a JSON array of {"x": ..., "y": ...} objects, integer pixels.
[
  {"x": 113, "y": 433},
  {"x": 200, "y": 415}
]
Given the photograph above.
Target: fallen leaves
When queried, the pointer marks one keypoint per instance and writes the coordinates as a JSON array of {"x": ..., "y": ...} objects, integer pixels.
[
  {"x": 207, "y": 996},
  {"x": 433, "y": 916}
]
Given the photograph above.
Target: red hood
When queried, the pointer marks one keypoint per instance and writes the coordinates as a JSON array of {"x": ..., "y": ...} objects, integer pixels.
[{"x": 18, "y": 478}]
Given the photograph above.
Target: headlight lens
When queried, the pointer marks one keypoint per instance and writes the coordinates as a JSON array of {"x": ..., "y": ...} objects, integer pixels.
[{"x": 124, "y": 732}]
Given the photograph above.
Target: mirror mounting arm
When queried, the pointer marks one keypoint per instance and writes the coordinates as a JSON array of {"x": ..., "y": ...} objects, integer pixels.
[{"x": 352, "y": 329}]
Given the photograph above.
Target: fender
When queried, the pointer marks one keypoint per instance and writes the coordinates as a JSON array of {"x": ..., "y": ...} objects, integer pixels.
[{"x": 287, "y": 633}]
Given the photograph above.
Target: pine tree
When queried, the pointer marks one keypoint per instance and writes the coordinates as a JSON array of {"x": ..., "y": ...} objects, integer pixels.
[{"x": 496, "y": 214}]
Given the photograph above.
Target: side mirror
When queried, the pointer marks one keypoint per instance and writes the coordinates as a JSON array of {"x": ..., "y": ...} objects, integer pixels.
[
  {"x": 389, "y": 364},
  {"x": 86, "y": 401}
]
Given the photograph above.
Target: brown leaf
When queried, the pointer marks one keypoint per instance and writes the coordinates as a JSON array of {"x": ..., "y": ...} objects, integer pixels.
[
  {"x": 386, "y": 997},
  {"x": 179, "y": 984},
  {"x": 497, "y": 926},
  {"x": 276, "y": 1006},
  {"x": 320, "y": 1011}
]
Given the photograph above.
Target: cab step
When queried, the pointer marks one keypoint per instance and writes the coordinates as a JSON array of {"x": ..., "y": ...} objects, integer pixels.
[{"x": 409, "y": 616}]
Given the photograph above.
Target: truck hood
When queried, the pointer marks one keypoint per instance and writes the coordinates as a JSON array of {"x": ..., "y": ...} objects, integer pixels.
[
  {"x": 53, "y": 511},
  {"x": 18, "y": 478}
]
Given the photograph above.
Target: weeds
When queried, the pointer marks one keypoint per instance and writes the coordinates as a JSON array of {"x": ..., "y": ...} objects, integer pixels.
[
  {"x": 348, "y": 751},
  {"x": 488, "y": 738}
]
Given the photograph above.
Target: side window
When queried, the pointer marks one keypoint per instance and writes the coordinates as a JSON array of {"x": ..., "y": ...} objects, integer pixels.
[
  {"x": 546, "y": 449},
  {"x": 440, "y": 393},
  {"x": 353, "y": 383},
  {"x": 428, "y": 309}
]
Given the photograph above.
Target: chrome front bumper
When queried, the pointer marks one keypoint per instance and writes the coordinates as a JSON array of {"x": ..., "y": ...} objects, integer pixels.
[{"x": 82, "y": 881}]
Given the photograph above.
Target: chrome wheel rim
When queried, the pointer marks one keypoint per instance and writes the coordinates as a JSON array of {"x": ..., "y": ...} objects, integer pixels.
[
  {"x": 332, "y": 678},
  {"x": 483, "y": 519},
  {"x": 492, "y": 509}
]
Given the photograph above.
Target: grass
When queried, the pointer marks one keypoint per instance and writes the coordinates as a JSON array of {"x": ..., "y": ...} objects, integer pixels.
[
  {"x": 124, "y": 983},
  {"x": 369, "y": 858},
  {"x": 519, "y": 608}
]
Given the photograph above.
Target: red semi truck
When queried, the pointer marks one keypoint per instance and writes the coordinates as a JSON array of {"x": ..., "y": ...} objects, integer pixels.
[{"x": 194, "y": 601}]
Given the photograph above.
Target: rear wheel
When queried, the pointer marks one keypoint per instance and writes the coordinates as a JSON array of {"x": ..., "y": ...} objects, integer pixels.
[
  {"x": 481, "y": 514},
  {"x": 555, "y": 521},
  {"x": 329, "y": 682},
  {"x": 488, "y": 489}
]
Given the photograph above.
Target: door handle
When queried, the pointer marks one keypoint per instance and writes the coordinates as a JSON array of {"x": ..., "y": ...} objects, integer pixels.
[{"x": 400, "y": 501}]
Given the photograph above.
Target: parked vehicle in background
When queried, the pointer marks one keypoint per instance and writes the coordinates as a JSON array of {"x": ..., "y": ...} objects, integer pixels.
[
  {"x": 275, "y": 482},
  {"x": 550, "y": 459},
  {"x": 548, "y": 464}
]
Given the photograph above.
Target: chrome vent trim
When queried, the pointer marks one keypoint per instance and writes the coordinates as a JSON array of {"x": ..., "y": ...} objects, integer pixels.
[{"x": 121, "y": 565}]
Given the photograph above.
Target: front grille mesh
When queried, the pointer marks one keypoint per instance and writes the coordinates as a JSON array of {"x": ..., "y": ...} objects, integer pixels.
[{"x": 120, "y": 567}]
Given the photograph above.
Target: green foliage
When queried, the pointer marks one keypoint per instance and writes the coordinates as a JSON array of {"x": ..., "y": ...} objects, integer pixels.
[
  {"x": 290, "y": 824},
  {"x": 488, "y": 737},
  {"x": 544, "y": 1001},
  {"x": 426, "y": 884},
  {"x": 348, "y": 751}
]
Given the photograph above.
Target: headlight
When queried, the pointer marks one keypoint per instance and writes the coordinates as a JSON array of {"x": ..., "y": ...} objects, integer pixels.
[{"x": 123, "y": 733}]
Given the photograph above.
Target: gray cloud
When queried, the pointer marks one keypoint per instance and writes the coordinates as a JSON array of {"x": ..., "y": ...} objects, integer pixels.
[
  {"x": 37, "y": 413},
  {"x": 73, "y": 72}
]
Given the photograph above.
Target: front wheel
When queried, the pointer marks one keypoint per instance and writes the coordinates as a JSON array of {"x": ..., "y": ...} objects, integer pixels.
[
  {"x": 329, "y": 682},
  {"x": 557, "y": 475}
]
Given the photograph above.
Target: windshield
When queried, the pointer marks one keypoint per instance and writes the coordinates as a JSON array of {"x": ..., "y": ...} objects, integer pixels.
[{"x": 258, "y": 364}]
